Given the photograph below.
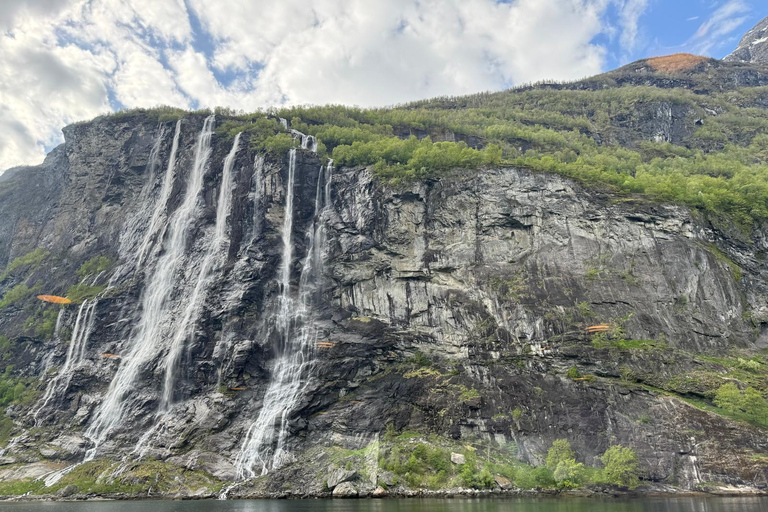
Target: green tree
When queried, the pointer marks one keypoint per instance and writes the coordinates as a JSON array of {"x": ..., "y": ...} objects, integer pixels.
[
  {"x": 560, "y": 451},
  {"x": 620, "y": 466}
]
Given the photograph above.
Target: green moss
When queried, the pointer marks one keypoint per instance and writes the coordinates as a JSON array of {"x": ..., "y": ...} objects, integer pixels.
[
  {"x": 468, "y": 394},
  {"x": 573, "y": 373},
  {"x": 6, "y": 428}
]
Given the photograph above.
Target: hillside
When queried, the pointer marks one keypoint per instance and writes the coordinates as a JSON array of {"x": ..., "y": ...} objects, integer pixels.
[{"x": 331, "y": 300}]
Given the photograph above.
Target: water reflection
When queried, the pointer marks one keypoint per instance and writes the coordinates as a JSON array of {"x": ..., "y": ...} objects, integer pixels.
[{"x": 410, "y": 505}]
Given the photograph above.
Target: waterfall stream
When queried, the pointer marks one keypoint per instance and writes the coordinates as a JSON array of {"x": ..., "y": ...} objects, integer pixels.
[
  {"x": 215, "y": 255},
  {"x": 57, "y": 386},
  {"x": 264, "y": 446},
  {"x": 153, "y": 326}
]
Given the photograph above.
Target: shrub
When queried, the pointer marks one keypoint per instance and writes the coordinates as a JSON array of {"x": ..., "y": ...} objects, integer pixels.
[
  {"x": 749, "y": 402},
  {"x": 31, "y": 260},
  {"x": 573, "y": 373},
  {"x": 16, "y": 295},
  {"x": 559, "y": 451},
  {"x": 620, "y": 466},
  {"x": 94, "y": 267}
]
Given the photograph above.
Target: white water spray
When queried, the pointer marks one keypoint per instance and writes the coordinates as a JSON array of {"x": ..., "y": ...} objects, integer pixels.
[
  {"x": 147, "y": 340},
  {"x": 264, "y": 446},
  {"x": 160, "y": 206},
  {"x": 58, "y": 386},
  {"x": 215, "y": 255}
]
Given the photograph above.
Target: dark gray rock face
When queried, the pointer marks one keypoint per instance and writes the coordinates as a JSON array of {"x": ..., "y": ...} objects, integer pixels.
[
  {"x": 753, "y": 46},
  {"x": 491, "y": 275}
]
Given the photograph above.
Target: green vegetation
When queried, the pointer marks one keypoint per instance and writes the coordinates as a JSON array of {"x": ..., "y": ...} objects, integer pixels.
[
  {"x": 81, "y": 291},
  {"x": 592, "y": 135},
  {"x": 750, "y": 402},
  {"x": 615, "y": 340},
  {"x": 94, "y": 267},
  {"x": 29, "y": 261},
  {"x": 620, "y": 466},
  {"x": 16, "y": 294},
  {"x": 420, "y": 461},
  {"x": 573, "y": 373},
  {"x": 98, "y": 477},
  {"x": 395, "y": 158}
]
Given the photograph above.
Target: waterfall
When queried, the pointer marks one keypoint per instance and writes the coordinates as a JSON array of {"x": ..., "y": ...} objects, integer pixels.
[
  {"x": 283, "y": 123},
  {"x": 155, "y": 320},
  {"x": 162, "y": 201},
  {"x": 215, "y": 255},
  {"x": 60, "y": 383},
  {"x": 264, "y": 446},
  {"x": 258, "y": 194}
]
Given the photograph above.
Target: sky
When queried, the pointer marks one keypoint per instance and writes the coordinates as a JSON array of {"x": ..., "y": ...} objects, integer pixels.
[{"x": 70, "y": 60}]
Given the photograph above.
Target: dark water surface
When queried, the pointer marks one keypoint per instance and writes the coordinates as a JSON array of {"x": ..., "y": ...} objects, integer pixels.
[{"x": 408, "y": 505}]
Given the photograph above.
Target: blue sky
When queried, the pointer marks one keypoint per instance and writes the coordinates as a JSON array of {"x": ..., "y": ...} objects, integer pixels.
[
  {"x": 670, "y": 26},
  {"x": 70, "y": 60}
]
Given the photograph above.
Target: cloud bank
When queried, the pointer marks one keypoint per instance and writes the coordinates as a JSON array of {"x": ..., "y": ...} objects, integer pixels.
[{"x": 68, "y": 60}]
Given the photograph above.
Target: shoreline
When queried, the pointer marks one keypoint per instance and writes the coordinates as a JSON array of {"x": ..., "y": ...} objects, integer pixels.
[{"x": 653, "y": 491}]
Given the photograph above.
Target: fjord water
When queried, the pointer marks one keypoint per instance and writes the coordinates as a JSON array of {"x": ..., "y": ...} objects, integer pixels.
[{"x": 698, "y": 504}]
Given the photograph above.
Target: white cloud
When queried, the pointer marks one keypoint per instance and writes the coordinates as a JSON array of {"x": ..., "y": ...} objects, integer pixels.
[
  {"x": 63, "y": 59},
  {"x": 714, "y": 32},
  {"x": 629, "y": 16}
]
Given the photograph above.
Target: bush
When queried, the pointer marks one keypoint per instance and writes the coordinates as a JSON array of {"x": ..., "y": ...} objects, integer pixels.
[
  {"x": 94, "y": 267},
  {"x": 620, "y": 466},
  {"x": 559, "y": 452},
  {"x": 569, "y": 474},
  {"x": 29, "y": 260},
  {"x": 573, "y": 373},
  {"x": 81, "y": 291},
  {"x": 749, "y": 402},
  {"x": 16, "y": 294}
]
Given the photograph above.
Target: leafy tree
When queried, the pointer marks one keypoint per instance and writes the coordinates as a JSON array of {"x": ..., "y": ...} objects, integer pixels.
[
  {"x": 559, "y": 451},
  {"x": 620, "y": 466}
]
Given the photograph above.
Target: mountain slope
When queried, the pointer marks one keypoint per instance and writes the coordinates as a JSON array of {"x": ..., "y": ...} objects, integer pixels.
[
  {"x": 753, "y": 46},
  {"x": 244, "y": 305}
]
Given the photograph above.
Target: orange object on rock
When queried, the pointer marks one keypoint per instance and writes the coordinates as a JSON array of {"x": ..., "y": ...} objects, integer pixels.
[{"x": 54, "y": 299}]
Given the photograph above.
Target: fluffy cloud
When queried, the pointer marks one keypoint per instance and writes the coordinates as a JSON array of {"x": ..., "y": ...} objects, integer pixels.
[{"x": 66, "y": 60}]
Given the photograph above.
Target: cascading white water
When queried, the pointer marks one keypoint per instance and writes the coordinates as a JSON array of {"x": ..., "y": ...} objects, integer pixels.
[
  {"x": 60, "y": 383},
  {"x": 147, "y": 340},
  {"x": 258, "y": 193},
  {"x": 151, "y": 232},
  {"x": 215, "y": 255},
  {"x": 264, "y": 446}
]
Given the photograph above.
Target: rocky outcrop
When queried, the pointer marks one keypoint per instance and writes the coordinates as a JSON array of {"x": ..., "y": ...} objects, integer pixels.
[
  {"x": 753, "y": 46},
  {"x": 454, "y": 307}
]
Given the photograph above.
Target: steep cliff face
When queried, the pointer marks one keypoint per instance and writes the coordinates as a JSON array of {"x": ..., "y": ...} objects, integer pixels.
[
  {"x": 753, "y": 46},
  {"x": 256, "y": 312}
]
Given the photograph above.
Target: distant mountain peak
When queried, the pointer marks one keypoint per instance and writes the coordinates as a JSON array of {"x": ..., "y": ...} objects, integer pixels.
[{"x": 753, "y": 46}]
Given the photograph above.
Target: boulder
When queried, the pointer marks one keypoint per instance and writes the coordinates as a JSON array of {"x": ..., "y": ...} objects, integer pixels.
[
  {"x": 340, "y": 475},
  {"x": 504, "y": 483},
  {"x": 457, "y": 458},
  {"x": 345, "y": 490}
]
